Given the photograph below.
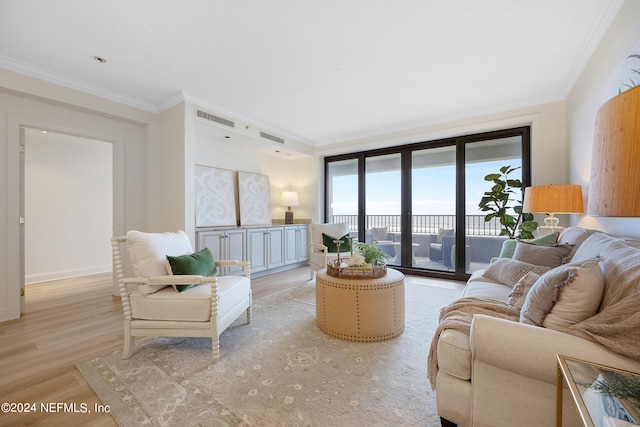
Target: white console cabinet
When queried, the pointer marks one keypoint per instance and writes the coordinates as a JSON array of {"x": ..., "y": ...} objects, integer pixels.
[
  {"x": 265, "y": 248},
  {"x": 270, "y": 249},
  {"x": 296, "y": 244},
  {"x": 225, "y": 244}
]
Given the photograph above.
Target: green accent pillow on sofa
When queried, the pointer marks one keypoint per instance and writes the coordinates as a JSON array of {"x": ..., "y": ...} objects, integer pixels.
[
  {"x": 509, "y": 245},
  {"x": 327, "y": 240},
  {"x": 199, "y": 263}
]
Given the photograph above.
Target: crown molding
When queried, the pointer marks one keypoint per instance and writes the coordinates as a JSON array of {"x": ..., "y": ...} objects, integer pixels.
[
  {"x": 417, "y": 126},
  {"x": 41, "y": 74},
  {"x": 591, "y": 44}
]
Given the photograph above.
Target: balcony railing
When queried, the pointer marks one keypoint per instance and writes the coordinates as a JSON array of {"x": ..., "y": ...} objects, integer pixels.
[{"x": 474, "y": 224}]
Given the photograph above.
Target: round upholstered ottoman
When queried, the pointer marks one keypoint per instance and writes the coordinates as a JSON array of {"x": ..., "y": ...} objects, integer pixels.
[{"x": 363, "y": 310}]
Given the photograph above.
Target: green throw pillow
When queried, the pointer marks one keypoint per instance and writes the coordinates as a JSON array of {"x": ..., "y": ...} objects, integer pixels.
[
  {"x": 509, "y": 245},
  {"x": 327, "y": 240},
  {"x": 200, "y": 263}
]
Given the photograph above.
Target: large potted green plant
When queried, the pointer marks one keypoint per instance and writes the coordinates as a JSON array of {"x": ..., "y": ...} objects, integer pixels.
[{"x": 504, "y": 202}]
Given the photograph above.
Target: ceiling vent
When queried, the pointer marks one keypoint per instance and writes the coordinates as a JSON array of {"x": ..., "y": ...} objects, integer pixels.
[
  {"x": 207, "y": 116},
  {"x": 272, "y": 137}
]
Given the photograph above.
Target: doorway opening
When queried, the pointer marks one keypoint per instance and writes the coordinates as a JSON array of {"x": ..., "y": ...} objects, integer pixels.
[{"x": 67, "y": 198}]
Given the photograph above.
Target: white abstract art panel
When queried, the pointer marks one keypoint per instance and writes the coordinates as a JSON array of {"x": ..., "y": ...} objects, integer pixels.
[
  {"x": 253, "y": 191},
  {"x": 215, "y": 197}
]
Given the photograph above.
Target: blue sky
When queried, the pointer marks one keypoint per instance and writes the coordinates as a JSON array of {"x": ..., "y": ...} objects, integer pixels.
[{"x": 433, "y": 190}]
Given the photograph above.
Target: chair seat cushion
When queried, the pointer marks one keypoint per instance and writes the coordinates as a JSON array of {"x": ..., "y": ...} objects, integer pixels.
[
  {"x": 192, "y": 305},
  {"x": 318, "y": 258}
]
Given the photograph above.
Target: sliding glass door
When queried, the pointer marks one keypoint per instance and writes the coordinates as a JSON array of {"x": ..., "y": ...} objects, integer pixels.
[
  {"x": 343, "y": 193},
  {"x": 484, "y": 157},
  {"x": 433, "y": 207},
  {"x": 419, "y": 202},
  {"x": 383, "y": 204}
]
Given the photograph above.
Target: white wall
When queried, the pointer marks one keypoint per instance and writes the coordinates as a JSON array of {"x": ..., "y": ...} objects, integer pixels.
[
  {"x": 68, "y": 206},
  {"x": 166, "y": 170},
  {"x": 32, "y": 103},
  {"x": 599, "y": 82},
  {"x": 299, "y": 174}
]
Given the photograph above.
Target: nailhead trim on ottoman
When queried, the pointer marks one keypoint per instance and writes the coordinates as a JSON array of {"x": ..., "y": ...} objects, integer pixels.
[{"x": 369, "y": 310}]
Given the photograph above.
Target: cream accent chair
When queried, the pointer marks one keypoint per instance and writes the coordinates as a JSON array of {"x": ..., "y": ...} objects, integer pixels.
[
  {"x": 153, "y": 307},
  {"x": 319, "y": 255}
]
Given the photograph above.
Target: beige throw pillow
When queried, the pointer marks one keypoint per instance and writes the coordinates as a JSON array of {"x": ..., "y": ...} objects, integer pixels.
[
  {"x": 564, "y": 296},
  {"x": 509, "y": 271},
  {"x": 519, "y": 292},
  {"x": 549, "y": 256}
]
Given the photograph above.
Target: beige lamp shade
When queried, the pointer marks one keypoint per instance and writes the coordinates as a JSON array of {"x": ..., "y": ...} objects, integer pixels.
[
  {"x": 289, "y": 198},
  {"x": 553, "y": 199},
  {"x": 614, "y": 188}
]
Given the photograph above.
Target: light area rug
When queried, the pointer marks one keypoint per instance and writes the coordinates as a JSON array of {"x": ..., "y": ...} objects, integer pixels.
[{"x": 280, "y": 370}]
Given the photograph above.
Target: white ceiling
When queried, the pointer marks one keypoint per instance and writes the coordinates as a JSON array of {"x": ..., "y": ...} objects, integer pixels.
[{"x": 318, "y": 71}]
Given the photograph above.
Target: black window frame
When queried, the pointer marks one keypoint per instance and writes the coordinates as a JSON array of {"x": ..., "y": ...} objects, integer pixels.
[{"x": 405, "y": 151}]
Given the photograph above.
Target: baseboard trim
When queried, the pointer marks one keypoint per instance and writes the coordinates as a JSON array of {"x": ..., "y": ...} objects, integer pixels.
[
  {"x": 66, "y": 274},
  {"x": 279, "y": 269}
]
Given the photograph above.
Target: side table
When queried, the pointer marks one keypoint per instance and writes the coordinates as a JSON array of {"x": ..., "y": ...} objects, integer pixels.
[
  {"x": 362, "y": 310},
  {"x": 600, "y": 393}
]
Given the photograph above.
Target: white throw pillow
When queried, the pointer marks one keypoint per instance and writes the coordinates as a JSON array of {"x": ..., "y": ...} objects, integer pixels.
[
  {"x": 579, "y": 300},
  {"x": 565, "y": 295},
  {"x": 573, "y": 236},
  {"x": 148, "y": 254},
  {"x": 593, "y": 246}
]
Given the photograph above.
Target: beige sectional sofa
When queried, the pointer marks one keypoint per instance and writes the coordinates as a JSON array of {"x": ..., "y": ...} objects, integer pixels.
[{"x": 493, "y": 358}]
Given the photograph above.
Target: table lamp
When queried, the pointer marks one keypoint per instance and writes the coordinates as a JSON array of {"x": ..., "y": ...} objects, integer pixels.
[
  {"x": 289, "y": 198},
  {"x": 553, "y": 199}
]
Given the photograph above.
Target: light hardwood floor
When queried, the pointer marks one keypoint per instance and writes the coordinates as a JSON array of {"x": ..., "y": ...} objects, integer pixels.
[{"x": 73, "y": 319}]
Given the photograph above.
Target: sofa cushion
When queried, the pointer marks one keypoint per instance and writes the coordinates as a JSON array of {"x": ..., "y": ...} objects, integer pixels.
[
  {"x": 574, "y": 236},
  {"x": 593, "y": 246},
  {"x": 192, "y": 305},
  {"x": 508, "y": 271},
  {"x": 519, "y": 292},
  {"x": 509, "y": 245},
  {"x": 483, "y": 287},
  {"x": 549, "y": 256},
  {"x": 572, "y": 292},
  {"x": 199, "y": 263},
  {"x": 621, "y": 267},
  {"x": 148, "y": 252},
  {"x": 634, "y": 243},
  {"x": 454, "y": 354}
]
